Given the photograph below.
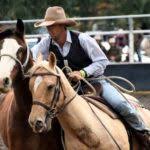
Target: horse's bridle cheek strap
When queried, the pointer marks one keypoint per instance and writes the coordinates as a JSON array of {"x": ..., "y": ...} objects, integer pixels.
[{"x": 56, "y": 94}]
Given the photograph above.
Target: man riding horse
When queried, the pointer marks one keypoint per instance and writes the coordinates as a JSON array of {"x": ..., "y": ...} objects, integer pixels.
[{"x": 83, "y": 55}]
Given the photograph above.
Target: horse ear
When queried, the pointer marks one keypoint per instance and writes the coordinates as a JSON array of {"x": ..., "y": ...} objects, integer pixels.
[
  {"x": 39, "y": 57},
  {"x": 20, "y": 27},
  {"x": 52, "y": 60}
]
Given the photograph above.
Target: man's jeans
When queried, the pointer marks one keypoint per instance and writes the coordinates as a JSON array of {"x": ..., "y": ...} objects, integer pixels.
[{"x": 122, "y": 106}]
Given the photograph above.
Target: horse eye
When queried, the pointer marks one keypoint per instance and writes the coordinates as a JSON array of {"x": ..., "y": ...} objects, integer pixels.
[
  {"x": 20, "y": 50},
  {"x": 19, "y": 53},
  {"x": 49, "y": 87}
]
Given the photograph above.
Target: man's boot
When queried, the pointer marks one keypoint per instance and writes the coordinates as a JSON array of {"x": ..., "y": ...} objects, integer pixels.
[{"x": 144, "y": 138}]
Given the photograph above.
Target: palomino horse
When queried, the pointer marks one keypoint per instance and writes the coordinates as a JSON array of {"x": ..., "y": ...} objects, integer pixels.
[
  {"x": 15, "y": 106},
  {"x": 85, "y": 126}
]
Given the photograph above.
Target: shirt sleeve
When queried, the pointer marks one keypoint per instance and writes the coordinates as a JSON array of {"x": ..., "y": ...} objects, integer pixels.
[
  {"x": 99, "y": 59},
  {"x": 43, "y": 47}
]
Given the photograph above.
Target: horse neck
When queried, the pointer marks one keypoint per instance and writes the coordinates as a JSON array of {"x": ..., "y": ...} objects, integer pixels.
[
  {"x": 74, "y": 115},
  {"x": 67, "y": 88},
  {"x": 23, "y": 97},
  {"x": 22, "y": 94}
]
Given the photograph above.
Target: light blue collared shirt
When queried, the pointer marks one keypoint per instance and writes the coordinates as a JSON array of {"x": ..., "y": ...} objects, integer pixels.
[{"x": 89, "y": 45}]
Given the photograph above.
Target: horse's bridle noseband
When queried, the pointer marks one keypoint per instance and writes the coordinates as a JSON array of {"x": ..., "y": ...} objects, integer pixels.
[{"x": 52, "y": 112}]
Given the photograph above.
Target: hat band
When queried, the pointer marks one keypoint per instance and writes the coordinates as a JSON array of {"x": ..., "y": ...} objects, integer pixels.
[{"x": 54, "y": 19}]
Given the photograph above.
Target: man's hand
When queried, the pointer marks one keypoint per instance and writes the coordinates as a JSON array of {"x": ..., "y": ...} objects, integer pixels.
[{"x": 75, "y": 76}]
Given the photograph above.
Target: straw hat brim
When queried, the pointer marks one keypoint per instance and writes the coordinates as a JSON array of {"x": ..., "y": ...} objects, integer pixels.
[{"x": 67, "y": 22}]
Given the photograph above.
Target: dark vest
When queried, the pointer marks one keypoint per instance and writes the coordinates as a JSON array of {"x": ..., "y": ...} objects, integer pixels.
[{"x": 77, "y": 58}]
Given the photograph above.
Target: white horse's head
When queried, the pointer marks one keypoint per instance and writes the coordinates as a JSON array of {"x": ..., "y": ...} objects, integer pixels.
[{"x": 14, "y": 55}]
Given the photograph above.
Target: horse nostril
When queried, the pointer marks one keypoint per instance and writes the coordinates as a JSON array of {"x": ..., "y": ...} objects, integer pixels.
[
  {"x": 6, "y": 81},
  {"x": 38, "y": 125}
]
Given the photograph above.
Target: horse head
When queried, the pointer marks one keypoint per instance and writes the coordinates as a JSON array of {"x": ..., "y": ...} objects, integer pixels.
[
  {"x": 14, "y": 55},
  {"x": 48, "y": 93}
]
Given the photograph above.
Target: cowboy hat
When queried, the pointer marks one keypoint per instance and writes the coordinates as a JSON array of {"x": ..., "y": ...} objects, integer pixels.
[{"x": 55, "y": 15}]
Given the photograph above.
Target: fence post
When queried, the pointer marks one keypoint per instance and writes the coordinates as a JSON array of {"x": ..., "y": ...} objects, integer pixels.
[{"x": 131, "y": 40}]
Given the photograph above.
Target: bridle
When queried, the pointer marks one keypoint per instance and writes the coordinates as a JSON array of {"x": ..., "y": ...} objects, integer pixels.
[
  {"x": 22, "y": 66},
  {"x": 53, "y": 110}
]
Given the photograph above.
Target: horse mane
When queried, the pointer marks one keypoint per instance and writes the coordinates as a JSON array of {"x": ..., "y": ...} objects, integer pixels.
[
  {"x": 4, "y": 27},
  {"x": 6, "y": 33}
]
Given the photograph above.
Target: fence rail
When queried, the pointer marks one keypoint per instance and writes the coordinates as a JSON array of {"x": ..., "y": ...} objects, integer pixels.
[
  {"x": 130, "y": 32},
  {"x": 86, "y": 18}
]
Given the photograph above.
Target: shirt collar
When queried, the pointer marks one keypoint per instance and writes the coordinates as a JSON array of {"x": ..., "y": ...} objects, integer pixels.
[{"x": 68, "y": 37}]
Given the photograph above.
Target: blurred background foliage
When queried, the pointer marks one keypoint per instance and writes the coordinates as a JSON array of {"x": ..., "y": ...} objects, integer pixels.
[{"x": 35, "y": 9}]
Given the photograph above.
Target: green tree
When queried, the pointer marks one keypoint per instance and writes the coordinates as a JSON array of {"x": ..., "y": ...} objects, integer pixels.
[{"x": 35, "y": 9}]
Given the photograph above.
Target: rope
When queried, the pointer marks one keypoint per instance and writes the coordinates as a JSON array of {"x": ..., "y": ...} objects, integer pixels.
[
  {"x": 93, "y": 91},
  {"x": 91, "y": 87},
  {"x": 115, "y": 84},
  {"x": 118, "y": 87},
  {"x": 68, "y": 69}
]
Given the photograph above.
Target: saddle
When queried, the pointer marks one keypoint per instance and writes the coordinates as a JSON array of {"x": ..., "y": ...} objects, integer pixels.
[
  {"x": 98, "y": 101},
  {"x": 97, "y": 86},
  {"x": 101, "y": 104}
]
